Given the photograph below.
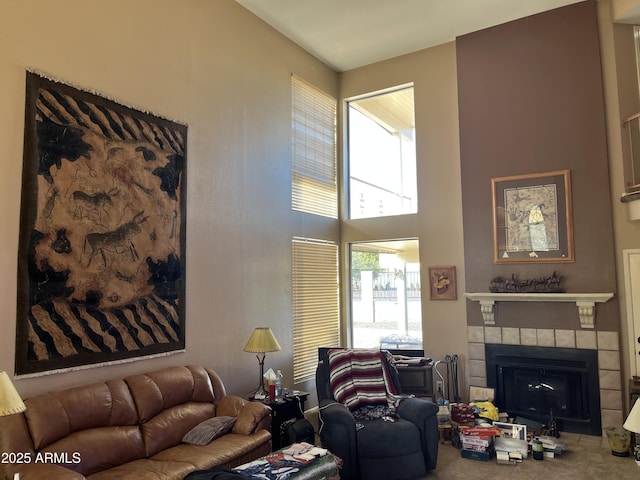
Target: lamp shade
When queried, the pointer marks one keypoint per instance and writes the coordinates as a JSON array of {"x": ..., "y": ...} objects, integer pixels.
[
  {"x": 632, "y": 423},
  {"x": 10, "y": 401},
  {"x": 262, "y": 340}
]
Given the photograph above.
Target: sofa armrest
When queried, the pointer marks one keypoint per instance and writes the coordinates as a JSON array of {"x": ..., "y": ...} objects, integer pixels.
[
  {"x": 423, "y": 414},
  {"x": 417, "y": 410},
  {"x": 335, "y": 412},
  {"x": 40, "y": 471},
  {"x": 251, "y": 416},
  {"x": 338, "y": 434}
]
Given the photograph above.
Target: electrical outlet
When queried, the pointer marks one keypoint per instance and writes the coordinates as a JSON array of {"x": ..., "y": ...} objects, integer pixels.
[{"x": 439, "y": 386}]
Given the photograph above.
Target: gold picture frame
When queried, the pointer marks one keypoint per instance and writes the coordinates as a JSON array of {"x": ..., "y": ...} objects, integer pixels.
[
  {"x": 442, "y": 283},
  {"x": 532, "y": 218}
]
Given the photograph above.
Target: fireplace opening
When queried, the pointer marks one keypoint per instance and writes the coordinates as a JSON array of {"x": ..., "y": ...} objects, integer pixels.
[{"x": 537, "y": 382}]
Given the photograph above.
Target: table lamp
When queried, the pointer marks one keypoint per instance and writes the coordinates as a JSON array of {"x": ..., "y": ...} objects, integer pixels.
[
  {"x": 261, "y": 341},
  {"x": 10, "y": 401},
  {"x": 632, "y": 423}
]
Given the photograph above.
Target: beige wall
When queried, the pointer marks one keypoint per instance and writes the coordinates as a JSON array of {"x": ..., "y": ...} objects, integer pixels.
[
  {"x": 226, "y": 74},
  {"x": 625, "y": 10},
  {"x": 438, "y": 223}
]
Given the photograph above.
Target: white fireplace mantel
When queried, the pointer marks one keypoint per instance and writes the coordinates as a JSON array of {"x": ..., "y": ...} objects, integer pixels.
[{"x": 585, "y": 302}]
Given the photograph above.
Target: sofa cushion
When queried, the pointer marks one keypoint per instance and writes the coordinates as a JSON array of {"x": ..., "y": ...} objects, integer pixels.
[
  {"x": 55, "y": 415},
  {"x": 146, "y": 469},
  {"x": 38, "y": 471},
  {"x": 229, "y": 450},
  {"x": 14, "y": 435},
  {"x": 96, "y": 449},
  {"x": 388, "y": 439},
  {"x": 168, "y": 427},
  {"x": 160, "y": 390},
  {"x": 204, "y": 432}
]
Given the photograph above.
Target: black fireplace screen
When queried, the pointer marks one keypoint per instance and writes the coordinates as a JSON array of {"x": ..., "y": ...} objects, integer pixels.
[
  {"x": 544, "y": 391},
  {"x": 539, "y": 382}
]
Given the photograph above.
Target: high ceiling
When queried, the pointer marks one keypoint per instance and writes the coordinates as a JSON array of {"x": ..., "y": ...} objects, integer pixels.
[{"x": 347, "y": 34}]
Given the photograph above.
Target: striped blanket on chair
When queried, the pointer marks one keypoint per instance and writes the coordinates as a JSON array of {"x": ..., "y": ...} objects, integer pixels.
[{"x": 360, "y": 377}]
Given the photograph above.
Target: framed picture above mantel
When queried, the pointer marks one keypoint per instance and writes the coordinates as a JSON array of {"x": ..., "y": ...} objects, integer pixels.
[{"x": 532, "y": 218}]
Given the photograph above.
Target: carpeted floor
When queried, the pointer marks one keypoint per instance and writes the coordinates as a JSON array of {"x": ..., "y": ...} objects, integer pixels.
[{"x": 586, "y": 458}]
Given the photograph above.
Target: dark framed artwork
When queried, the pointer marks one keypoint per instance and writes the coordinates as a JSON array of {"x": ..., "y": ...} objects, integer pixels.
[
  {"x": 101, "y": 266},
  {"x": 532, "y": 218},
  {"x": 442, "y": 283}
]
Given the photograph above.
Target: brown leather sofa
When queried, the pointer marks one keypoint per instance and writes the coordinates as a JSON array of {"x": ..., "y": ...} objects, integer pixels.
[{"x": 131, "y": 428}]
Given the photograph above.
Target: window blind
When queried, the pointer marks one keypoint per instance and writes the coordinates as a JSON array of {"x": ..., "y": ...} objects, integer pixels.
[
  {"x": 316, "y": 303},
  {"x": 314, "y": 181}
]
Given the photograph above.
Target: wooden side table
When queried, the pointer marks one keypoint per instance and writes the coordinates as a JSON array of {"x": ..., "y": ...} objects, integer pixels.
[
  {"x": 446, "y": 433},
  {"x": 417, "y": 379},
  {"x": 290, "y": 408}
]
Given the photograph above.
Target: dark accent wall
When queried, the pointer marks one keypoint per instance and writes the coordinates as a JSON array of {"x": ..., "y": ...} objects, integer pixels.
[{"x": 531, "y": 101}]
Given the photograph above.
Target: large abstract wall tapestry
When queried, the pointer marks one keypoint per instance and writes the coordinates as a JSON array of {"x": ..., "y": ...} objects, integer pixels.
[{"x": 101, "y": 267}]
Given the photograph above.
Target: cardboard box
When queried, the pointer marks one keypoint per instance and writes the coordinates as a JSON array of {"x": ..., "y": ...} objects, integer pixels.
[
  {"x": 509, "y": 445},
  {"x": 478, "y": 431},
  {"x": 502, "y": 458},
  {"x": 462, "y": 413},
  {"x": 474, "y": 455},
  {"x": 480, "y": 441},
  {"x": 506, "y": 458},
  {"x": 477, "y": 448}
]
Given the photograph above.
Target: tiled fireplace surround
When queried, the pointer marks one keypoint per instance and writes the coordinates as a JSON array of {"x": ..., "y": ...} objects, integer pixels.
[{"x": 606, "y": 343}]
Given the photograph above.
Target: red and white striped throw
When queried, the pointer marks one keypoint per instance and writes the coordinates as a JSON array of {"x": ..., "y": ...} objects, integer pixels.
[{"x": 359, "y": 377}]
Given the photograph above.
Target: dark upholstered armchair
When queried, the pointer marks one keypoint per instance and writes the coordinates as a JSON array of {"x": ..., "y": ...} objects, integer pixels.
[{"x": 377, "y": 449}]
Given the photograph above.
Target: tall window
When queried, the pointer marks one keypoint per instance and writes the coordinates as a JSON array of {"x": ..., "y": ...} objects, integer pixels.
[
  {"x": 631, "y": 161},
  {"x": 314, "y": 182},
  {"x": 316, "y": 313},
  {"x": 385, "y": 295},
  {"x": 382, "y": 155}
]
